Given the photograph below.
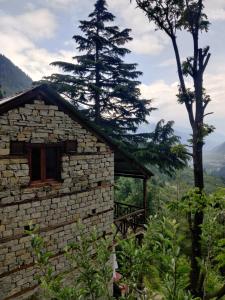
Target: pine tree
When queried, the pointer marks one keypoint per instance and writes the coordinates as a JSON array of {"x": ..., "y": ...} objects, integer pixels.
[
  {"x": 100, "y": 81},
  {"x": 106, "y": 89}
]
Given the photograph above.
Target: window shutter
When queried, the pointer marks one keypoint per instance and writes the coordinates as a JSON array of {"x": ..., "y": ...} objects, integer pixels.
[
  {"x": 70, "y": 147},
  {"x": 17, "y": 148}
]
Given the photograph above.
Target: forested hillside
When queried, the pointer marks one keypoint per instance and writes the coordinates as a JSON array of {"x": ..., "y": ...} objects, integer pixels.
[
  {"x": 12, "y": 78},
  {"x": 162, "y": 188}
]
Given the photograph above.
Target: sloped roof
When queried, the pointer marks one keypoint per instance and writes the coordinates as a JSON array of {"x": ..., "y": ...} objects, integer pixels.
[{"x": 125, "y": 164}]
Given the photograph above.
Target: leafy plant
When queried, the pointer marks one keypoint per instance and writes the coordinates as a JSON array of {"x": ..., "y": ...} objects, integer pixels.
[{"x": 90, "y": 256}]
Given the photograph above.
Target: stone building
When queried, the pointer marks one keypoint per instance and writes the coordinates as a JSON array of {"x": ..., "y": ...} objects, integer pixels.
[{"x": 55, "y": 168}]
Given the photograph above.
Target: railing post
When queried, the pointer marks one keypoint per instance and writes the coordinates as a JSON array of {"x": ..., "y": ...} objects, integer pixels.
[{"x": 145, "y": 197}]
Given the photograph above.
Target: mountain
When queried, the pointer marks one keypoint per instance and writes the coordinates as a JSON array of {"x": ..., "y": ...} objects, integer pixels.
[
  {"x": 12, "y": 78},
  {"x": 215, "y": 160},
  {"x": 220, "y": 150}
]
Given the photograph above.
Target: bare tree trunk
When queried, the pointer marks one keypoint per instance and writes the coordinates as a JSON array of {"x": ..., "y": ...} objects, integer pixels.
[
  {"x": 196, "y": 252},
  {"x": 197, "y": 128},
  {"x": 196, "y": 282}
]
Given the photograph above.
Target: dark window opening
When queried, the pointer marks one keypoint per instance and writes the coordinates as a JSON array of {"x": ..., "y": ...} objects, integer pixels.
[
  {"x": 44, "y": 162},
  {"x": 36, "y": 164},
  {"x": 70, "y": 147},
  {"x": 17, "y": 148},
  {"x": 51, "y": 163}
]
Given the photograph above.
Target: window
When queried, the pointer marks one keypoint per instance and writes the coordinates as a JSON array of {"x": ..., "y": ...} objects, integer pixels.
[
  {"x": 45, "y": 162},
  {"x": 70, "y": 147},
  {"x": 17, "y": 148}
]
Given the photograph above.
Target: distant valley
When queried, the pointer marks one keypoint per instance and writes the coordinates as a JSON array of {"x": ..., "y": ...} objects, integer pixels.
[{"x": 215, "y": 161}]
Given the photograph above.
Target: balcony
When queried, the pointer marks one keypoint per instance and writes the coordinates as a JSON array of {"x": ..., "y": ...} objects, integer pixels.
[{"x": 128, "y": 219}]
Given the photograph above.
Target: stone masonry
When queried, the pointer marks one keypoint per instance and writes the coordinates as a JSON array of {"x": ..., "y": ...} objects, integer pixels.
[{"x": 84, "y": 193}]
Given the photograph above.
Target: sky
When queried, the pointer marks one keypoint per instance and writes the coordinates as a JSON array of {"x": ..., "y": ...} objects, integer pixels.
[{"x": 34, "y": 33}]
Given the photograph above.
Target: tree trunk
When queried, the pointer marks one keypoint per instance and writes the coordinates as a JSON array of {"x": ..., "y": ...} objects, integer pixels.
[{"x": 196, "y": 251}]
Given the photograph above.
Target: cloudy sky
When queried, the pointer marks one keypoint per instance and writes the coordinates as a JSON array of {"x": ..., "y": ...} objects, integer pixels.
[{"x": 33, "y": 33}]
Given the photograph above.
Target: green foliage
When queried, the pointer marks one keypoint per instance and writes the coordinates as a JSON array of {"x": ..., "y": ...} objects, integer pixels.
[
  {"x": 159, "y": 266},
  {"x": 174, "y": 15},
  {"x": 161, "y": 148},
  {"x": 129, "y": 190},
  {"x": 89, "y": 256},
  {"x": 133, "y": 267},
  {"x": 12, "y": 79},
  {"x": 162, "y": 189},
  {"x": 212, "y": 236}
]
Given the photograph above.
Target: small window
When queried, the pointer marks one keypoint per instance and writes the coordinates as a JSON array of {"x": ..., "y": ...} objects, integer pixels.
[
  {"x": 17, "y": 148},
  {"x": 44, "y": 162},
  {"x": 36, "y": 163},
  {"x": 70, "y": 147}
]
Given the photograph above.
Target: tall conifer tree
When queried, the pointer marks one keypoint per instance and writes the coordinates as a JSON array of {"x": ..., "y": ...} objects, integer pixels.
[
  {"x": 106, "y": 89},
  {"x": 99, "y": 80}
]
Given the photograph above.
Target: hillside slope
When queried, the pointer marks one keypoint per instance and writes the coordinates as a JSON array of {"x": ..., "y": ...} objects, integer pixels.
[
  {"x": 12, "y": 78},
  {"x": 220, "y": 150},
  {"x": 215, "y": 160}
]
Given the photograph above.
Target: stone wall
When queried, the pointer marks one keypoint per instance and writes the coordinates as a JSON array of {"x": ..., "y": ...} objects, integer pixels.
[{"x": 85, "y": 193}]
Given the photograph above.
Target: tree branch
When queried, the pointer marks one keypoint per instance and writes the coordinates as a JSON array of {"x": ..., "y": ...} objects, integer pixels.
[
  {"x": 156, "y": 20},
  {"x": 182, "y": 82},
  {"x": 71, "y": 98},
  {"x": 206, "y": 62},
  {"x": 210, "y": 113},
  {"x": 205, "y": 105}
]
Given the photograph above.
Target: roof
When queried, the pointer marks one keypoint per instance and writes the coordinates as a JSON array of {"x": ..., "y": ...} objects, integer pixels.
[{"x": 125, "y": 164}]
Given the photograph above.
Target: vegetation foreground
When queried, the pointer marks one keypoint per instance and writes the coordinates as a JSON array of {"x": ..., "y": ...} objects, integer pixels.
[{"x": 156, "y": 268}]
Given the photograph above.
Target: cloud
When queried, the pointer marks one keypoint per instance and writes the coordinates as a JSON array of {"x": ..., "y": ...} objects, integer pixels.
[
  {"x": 168, "y": 63},
  {"x": 31, "y": 59},
  {"x": 147, "y": 44},
  {"x": 215, "y": 87},
  {"x": 36, "y": 24},
  {"x": 19, "y": 37},
  {"x": 146, "y": 39},
  {"x": 164, "y": 98},
  {"x": 59, "y": 4},
  {"x": 215, "y": 9}
]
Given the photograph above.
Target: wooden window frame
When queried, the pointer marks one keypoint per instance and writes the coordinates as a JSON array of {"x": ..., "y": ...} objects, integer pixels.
[{"x": 43, "y": 148}]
